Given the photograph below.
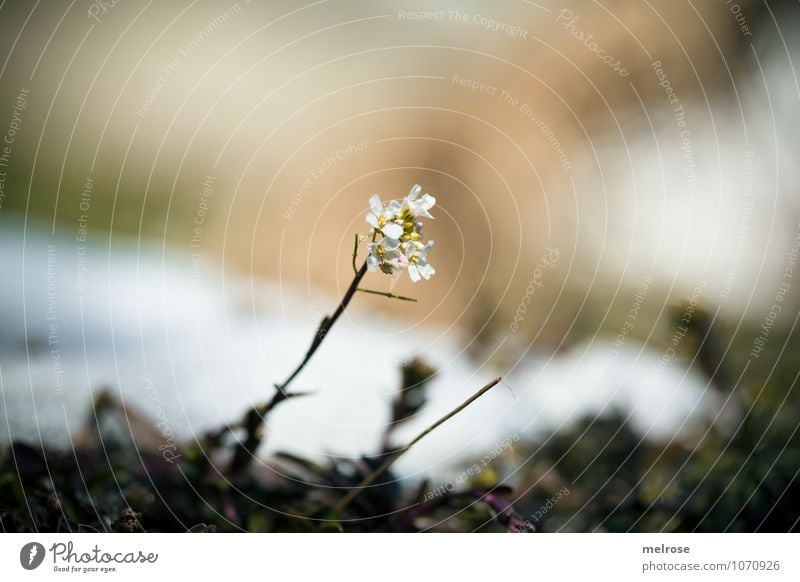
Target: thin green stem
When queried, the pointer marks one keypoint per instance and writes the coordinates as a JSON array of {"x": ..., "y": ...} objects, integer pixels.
[
  {"x": 254, "y": 418},
  {"x": 385, "y": 294},
  {"x": 369, "y": 479},
  {"x": 326, "y": 325}
]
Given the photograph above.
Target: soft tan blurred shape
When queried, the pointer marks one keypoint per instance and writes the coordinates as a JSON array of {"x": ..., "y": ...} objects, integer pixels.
[{"x": 261, "y": 109}]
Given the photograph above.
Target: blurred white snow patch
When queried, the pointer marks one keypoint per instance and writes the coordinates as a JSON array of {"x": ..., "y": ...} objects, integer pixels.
[
  {"x": 195, "y": 353},
  {"x": 543, "y": 396}
]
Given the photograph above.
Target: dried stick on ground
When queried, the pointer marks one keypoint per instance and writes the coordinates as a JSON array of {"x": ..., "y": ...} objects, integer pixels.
[
  {"x": 370, "y": 479},
  {"x": 253, "y": 420}
]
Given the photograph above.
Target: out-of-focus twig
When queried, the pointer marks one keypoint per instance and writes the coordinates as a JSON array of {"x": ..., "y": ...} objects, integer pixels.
[
  {"x": 369, "y": 479},
  {"x": 253, "y": 419}
]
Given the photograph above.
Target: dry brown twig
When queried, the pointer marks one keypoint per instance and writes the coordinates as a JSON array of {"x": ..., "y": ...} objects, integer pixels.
[{"x": 370, "y": 479}]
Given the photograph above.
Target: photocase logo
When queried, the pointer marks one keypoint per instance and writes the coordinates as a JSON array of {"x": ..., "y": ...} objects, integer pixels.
[{"x": 31, "y": 555}]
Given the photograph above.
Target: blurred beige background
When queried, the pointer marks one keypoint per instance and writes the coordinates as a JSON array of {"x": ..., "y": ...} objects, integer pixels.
[{"x": 506, "y": 112}]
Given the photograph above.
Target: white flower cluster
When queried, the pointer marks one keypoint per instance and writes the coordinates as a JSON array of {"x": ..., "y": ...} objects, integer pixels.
[{"x": 396, "y": 235}]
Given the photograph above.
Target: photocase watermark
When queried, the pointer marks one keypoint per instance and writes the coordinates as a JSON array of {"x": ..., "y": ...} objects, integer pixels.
[
  {"x": 739, "y": 17},
  {"x": 543, "y": 128},
  {"x": 760, "y": 341},
  {"x": 744, "y": 225},
  {"x": 530, "y": 523},
  {"x": 681, "y": 330},
  {"x": 475, "y": 85},
  {"x": 318, "y": 171},
  {"x": 168, "y": 449},
  {"x": 679, "y": 115},
  {"x": 490, "y": 24},
  {"x": 171, "y": 67},
  {"x": 67, "y": 559},
  {"x": 53, "y": 342},
  {"x": 82, "y": 235},
  {"x": 569, "y": 20},
  {"x": 10, "y": 137},
  {"x": 472, "y": 471},
  {"x": 547, "y": 261},
  {"x": 31, "y": 555},
  {"x": 628, "y": 324},
  {"x": 99, "y": 8},
  {"x": 195, "y": 243}
]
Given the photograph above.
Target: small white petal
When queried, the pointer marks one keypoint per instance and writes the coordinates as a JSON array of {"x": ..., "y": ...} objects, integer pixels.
[
  {"x": 427, "y": 271},
  {"x": 372, "y": 219},
  {"x": 412, "y": 195},
  {"x": 372, "y": 263},
  {"x": 375, "y": 204},
  {"x": 426, "y": 249},
  {"x": 427, "y": 202},
  {"x": 392, "y": 230},
  {"x": 390, "y": 243},
  {"x": 413, "y": 272}
]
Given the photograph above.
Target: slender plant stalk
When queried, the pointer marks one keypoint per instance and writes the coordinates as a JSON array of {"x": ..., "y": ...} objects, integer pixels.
[
  {"x": 355, "y": 254},
  {"x": 325, "y": 327},
  {"x": 252, "y": 422},
  {"x": 385, "y": 294},
  {"x": 370, "y": 479},
  {"x": 253, "y": 419}
]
